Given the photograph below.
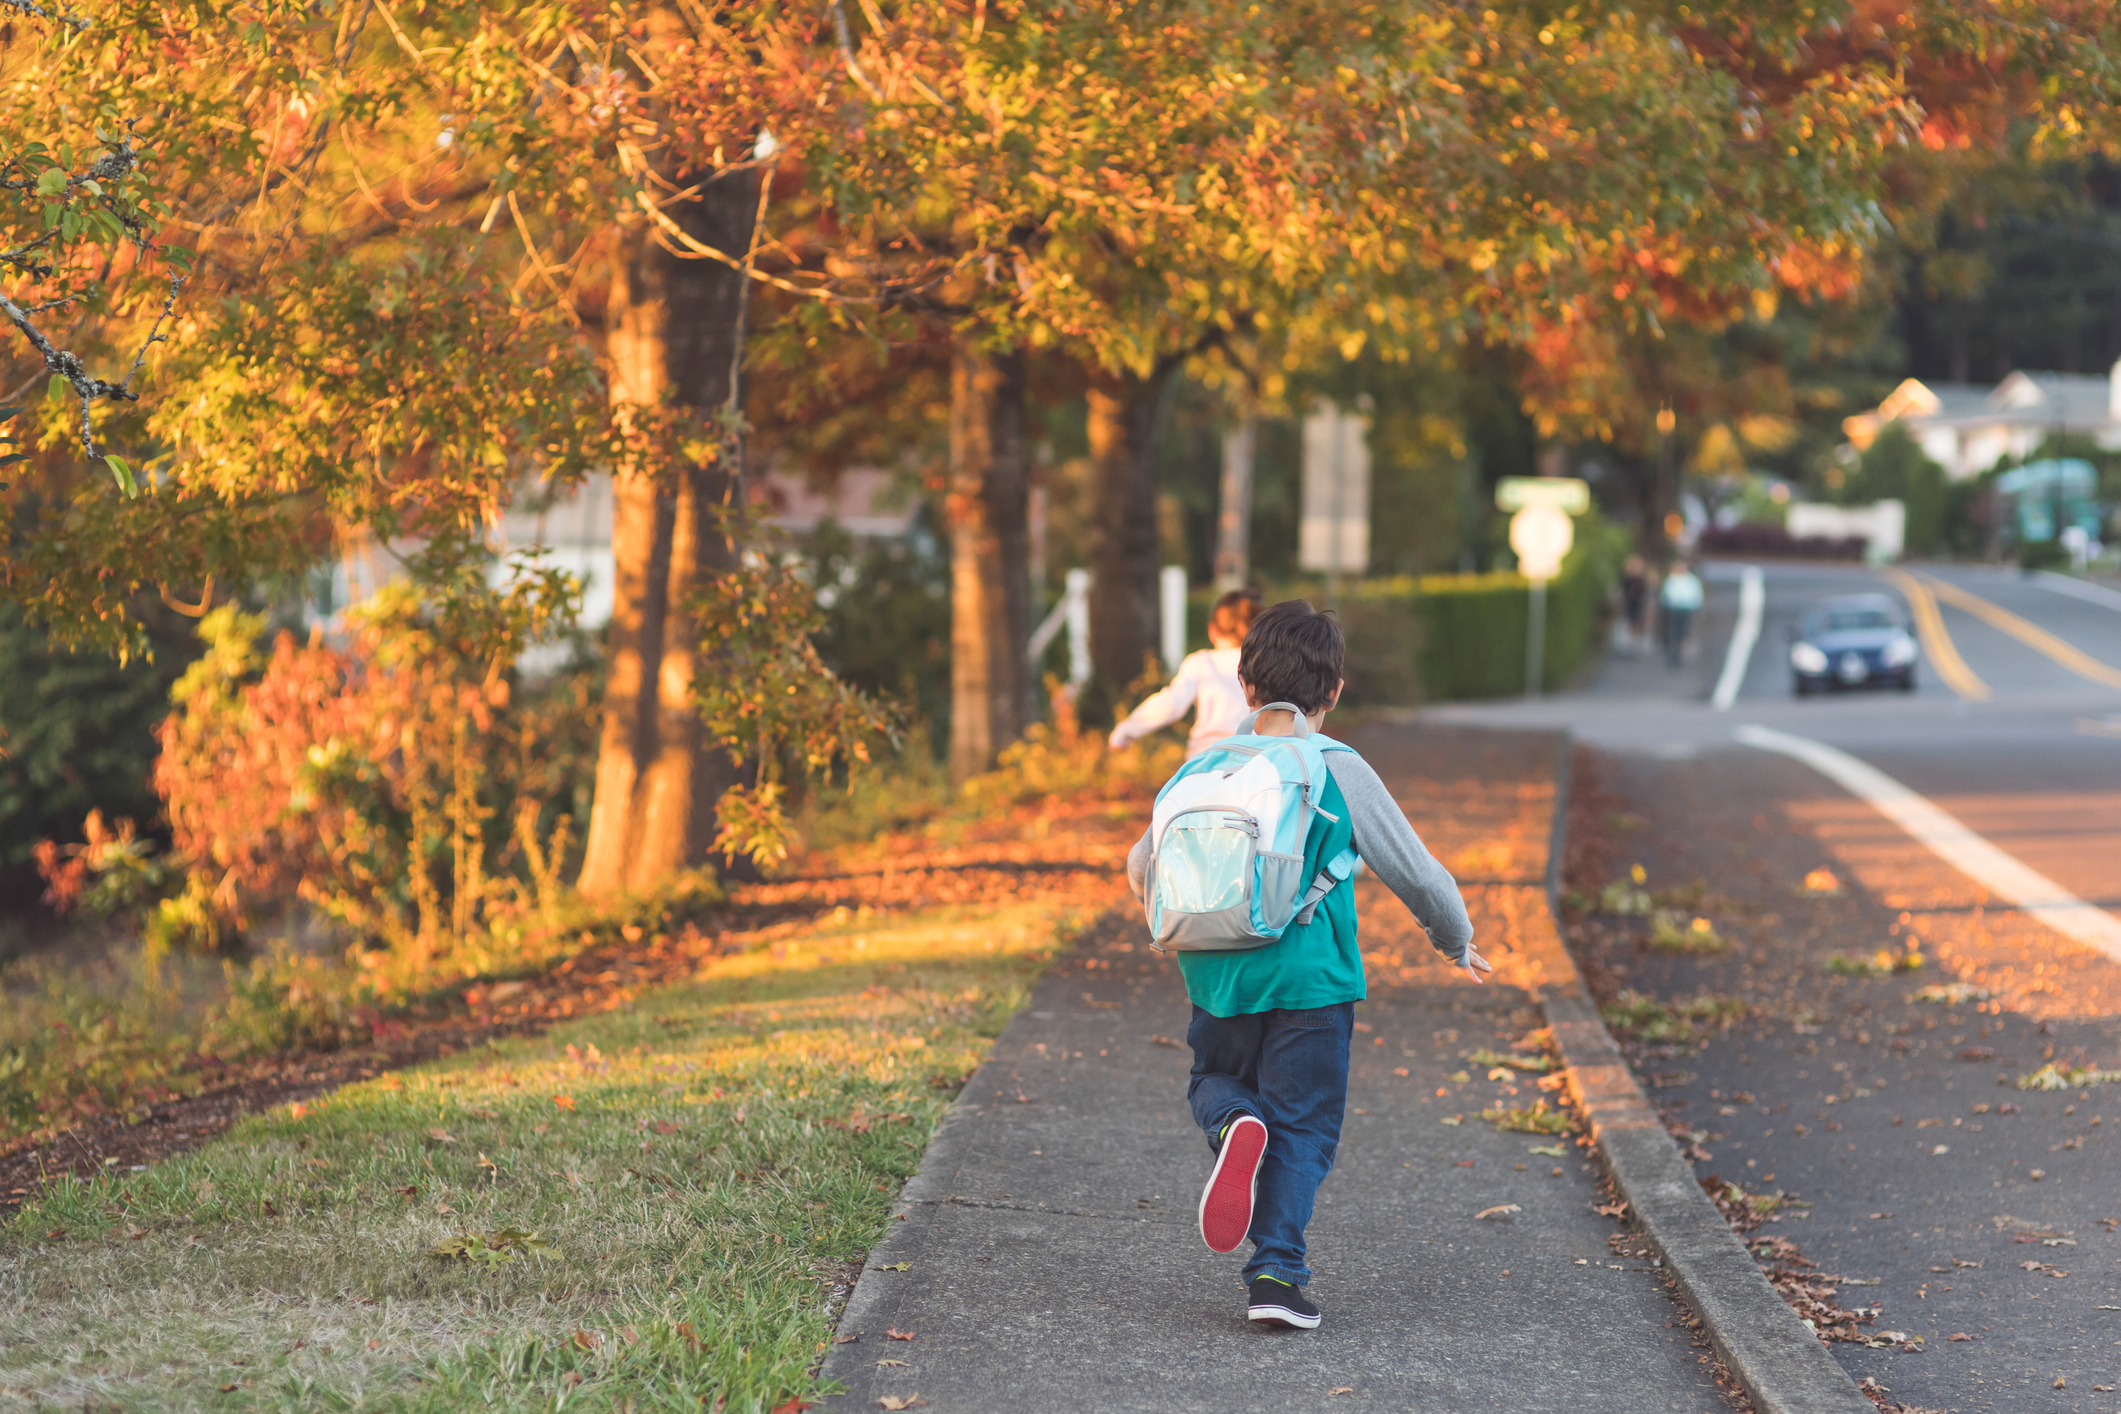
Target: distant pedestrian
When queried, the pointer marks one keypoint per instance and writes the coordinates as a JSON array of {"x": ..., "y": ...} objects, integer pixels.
[
  {"x": 1206, "y": 682},
  {"x": 1247, "y": 874},
  {"x": 1634, "y": 599},
  {"x": 1679, "y": 599}
]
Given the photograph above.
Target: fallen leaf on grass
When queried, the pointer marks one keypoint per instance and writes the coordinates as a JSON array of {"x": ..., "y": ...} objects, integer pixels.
[
  {"x": 893, "y": 1401},
  {"x": 441, "y": 1136},
  {"x": 664, "y": 1126},
  {"x": 227, "y": 1389},
  {"x": 894, "y": 1333},
  {"x": 491, "y": 1248},
  {"x": 1500, "y": 1210},
  {"x": 791, "y": 1405},
  {"x": 564, "y": 1102},
  {"x": 55, "y": 1234},
  {"x": 585, "y": 1340}
]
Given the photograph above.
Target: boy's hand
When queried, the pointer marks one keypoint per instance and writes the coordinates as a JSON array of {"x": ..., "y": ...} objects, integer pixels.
[{"x": 1475, "y": 964}]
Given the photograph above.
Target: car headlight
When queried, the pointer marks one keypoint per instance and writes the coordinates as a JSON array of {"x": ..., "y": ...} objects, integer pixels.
[
  {"x": 1806, "y": 658},
  {"x": 1900, "y": 652}
]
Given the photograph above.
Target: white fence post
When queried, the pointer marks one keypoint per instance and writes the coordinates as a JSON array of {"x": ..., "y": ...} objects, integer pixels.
[{"x": 1171, "y": 600}]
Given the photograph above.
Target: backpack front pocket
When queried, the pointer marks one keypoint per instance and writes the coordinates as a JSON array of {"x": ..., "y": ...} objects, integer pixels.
[{"x": 1204, "y": 862}]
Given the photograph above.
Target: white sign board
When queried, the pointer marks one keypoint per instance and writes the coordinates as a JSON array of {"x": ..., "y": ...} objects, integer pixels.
[
  {"x": 1334, "y": 535},
  {"x": 1542, "y": 535}
]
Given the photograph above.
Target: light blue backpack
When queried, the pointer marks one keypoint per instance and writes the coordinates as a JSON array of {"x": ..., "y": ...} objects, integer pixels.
[{"x": 1227, "y": 841}]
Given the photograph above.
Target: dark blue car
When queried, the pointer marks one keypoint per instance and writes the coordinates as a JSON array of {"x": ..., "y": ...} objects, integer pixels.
[{"x": 1857, "y": 640}]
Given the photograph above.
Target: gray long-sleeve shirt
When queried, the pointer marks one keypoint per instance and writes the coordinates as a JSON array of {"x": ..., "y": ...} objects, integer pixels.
[{"x": 1388, "y": 846}]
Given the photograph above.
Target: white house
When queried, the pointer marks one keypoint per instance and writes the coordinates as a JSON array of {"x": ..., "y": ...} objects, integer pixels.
[
  {"x": 574, "y": 530},
  {"x": 1966, "y": 428}
]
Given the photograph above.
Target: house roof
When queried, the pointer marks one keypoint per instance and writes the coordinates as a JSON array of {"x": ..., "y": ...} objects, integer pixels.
[{"x": 2072, "y": 399}]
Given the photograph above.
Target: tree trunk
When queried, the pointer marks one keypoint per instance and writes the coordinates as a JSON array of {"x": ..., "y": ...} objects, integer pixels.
[
  {"x": 990, "y": 546},
  {"x": 673, "y": 347},
  {"x": 1123, "y": 551}
]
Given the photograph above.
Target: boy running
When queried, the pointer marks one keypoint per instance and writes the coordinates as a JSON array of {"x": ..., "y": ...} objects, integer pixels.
[
  {"x": 1206, "y": 681},
  {"x": 1272, "y": 1025}
]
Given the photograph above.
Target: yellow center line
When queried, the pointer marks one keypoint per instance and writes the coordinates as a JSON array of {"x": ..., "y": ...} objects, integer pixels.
[
  {"x": 2030, "y": 634},
  {"x": 1943, "y": 653}
]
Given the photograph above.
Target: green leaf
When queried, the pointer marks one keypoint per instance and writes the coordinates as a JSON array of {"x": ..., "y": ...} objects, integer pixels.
[
  {"x": 51, "y": 182},
  {"x": 57, "y": 389},
  {"x": 8, "y": 412},
  {"x": 124, "y": 475},
  {"x": 14, "y": 457}
]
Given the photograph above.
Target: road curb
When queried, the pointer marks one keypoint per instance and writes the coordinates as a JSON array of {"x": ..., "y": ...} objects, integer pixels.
[{"x": 1783, "y": 1367}]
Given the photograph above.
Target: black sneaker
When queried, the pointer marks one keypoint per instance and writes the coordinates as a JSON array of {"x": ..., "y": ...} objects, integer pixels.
[{"x": 1276, "y": 1303}]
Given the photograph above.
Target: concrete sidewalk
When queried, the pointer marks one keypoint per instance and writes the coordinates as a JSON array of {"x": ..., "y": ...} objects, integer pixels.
[{"x": 1051, "y": 1256}]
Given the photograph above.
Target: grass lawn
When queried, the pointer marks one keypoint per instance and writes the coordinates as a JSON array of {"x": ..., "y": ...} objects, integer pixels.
[{"x": 706, "y": 1165}]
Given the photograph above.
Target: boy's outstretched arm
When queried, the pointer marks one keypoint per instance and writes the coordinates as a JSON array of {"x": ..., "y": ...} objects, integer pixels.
[{"x": 1389, "y": 846}]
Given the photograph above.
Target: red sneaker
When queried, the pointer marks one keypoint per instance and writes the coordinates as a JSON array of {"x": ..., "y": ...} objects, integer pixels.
[{"x": 1226, "y": 1203}]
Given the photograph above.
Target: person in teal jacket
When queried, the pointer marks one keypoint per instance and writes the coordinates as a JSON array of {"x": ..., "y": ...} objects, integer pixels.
[{"x": 1272, "y": 1025}]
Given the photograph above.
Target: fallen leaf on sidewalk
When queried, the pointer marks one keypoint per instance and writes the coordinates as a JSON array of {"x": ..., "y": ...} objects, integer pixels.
[
  {"x": 1163, "y": 1041},
  {"x": 1610, "y": 1210},
  {"x": 1452, "y": 1119},
  {"x": 893, "y": 1401},
  {"x": 846, "y": 1339},
  {"x": 891, "y": 1362},
  {"x": 1552, "y": 1151},
  {"x": 894, "y": 1333},
  {"x": 1340, "y": 1389},
  {"x": 893, "y": 1267},
  {"x": 1500, "y": 1210},
  {"x": 1958, "y": 1335}
]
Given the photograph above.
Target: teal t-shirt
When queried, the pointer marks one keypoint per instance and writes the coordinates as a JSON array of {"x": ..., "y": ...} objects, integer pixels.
[{"x": 1314, "y": 965}]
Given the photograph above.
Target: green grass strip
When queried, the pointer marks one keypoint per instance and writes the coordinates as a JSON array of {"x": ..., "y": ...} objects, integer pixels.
[{"x": 660, "y": 1198}]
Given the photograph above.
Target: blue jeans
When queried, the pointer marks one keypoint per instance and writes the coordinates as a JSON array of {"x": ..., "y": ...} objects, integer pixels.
[{"x": 1290, "y": 1070}]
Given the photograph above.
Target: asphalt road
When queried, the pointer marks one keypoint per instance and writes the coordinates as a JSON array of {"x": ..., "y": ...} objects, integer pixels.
[{"x": 1979, "y": 1209}]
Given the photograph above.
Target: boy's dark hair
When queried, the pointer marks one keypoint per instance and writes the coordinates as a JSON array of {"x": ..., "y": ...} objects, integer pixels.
[
  {"x": 1294, "y": 653},
  {"x": 1233, "y": 613}
]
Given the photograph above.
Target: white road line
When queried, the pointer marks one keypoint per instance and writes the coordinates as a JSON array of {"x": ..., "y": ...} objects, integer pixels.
[
  {"x": 1973, "y": 856},
  {"x": 2063, "y": 584},
  {"x": 1752, "y": 598}
]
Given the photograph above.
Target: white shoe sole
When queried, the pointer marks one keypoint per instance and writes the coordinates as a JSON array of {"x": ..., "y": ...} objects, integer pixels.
[{"x": 1282, "y": 1315}]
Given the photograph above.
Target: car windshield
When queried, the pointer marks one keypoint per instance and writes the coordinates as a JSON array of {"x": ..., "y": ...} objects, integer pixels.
[{"x": 1843, "y": 620}]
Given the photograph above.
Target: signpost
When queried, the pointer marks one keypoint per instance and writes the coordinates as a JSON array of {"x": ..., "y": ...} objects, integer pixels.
[
  {"x": 1334, "y": 534},
  {"x": 1541, "y": 534}
]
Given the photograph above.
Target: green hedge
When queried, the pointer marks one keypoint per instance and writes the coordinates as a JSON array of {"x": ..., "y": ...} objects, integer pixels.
[{"x": 1440, "y": 637}]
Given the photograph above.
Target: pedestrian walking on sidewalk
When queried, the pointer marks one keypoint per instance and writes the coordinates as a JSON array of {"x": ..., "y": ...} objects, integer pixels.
[
  {"x": 1634, "y": 601},
  {"x": 1247, "y": 873},
  {"x": 1206, "y": 682},
  {"x": 1679, "y": 599}
]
